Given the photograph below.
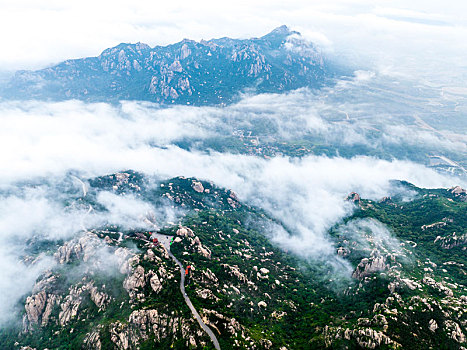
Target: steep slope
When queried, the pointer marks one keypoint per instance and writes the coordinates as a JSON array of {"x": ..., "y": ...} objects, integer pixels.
[
  {"x": 188, "y": 72},
  {"x": 116, "y": 288}
]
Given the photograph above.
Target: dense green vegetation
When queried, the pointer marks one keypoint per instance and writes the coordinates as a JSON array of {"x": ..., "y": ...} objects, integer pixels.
[{"x": 261, "y": 293}]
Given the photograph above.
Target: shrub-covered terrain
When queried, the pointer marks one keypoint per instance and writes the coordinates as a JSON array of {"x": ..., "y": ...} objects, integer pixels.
[{"x": 113, "y": 287}]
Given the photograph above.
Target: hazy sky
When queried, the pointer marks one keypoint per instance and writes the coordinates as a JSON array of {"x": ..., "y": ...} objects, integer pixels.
[{"x": 385, "y": 34}]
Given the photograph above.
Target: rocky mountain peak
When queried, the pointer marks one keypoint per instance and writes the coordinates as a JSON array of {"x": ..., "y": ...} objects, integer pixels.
[
  {"x": 282, "y": 30},
  {"x": 209, "y": 72}
]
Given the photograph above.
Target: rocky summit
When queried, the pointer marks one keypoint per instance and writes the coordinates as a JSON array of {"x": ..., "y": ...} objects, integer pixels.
[{"x": 216, "y": 71}]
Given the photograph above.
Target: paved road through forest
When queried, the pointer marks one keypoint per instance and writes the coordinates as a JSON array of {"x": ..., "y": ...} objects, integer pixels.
[{"x": 165, "y": 241}]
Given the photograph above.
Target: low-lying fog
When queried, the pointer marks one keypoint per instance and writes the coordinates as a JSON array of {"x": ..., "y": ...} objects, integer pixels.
[{"x": 50, "y": 140}]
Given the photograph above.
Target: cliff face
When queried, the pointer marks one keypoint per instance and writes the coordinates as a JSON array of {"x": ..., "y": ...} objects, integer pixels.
[
  {"x": 125, "y": 292},
  {"x": 188, "y": 72}
]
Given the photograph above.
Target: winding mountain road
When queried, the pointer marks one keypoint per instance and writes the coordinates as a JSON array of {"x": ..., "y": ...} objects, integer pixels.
[{"x": 166, "y": 242}]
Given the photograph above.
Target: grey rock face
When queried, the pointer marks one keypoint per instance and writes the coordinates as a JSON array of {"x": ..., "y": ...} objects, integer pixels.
[
  {"x": 35, "y": 306},
  {"x": 188, "y": 72},
  {"x": 370, "y": 265}
]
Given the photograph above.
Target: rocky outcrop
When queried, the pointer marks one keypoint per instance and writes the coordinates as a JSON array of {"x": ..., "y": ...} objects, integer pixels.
[
  {"x": 71, "y": 303},
  {"x": 197, "y": 186},
  {"x": 185, "y": 232},
  {"x": 209, "y": 276},
  {"x": 35, "y": 306},
  {"x": 354, "y": 197},
  {"x": 186, "y": 72},
  {"x": 235, "y": 271},
  {"x": 120, "y": 335},
  {"x": 367, "y": 266},
  {"x": 432, "y": 325},
  {"x": 233, "y": 200},
  {"x": 82, "y": 248},
  {"x": 134, "y": 281},
  {"x": 454, "y": 331},
  {"x": 159, "y": 324},
  {"x": 206, "y": 294},
  {"x": 92, "y": 341},
  {"x": 39, "y": 306},
  {"x": 124, "y": 263},
  {"x": 437, "y": 285},
  {"x": 52, "y": 300},
  {"x": 155, "y": 282},
  {"x": 150, "y": 323},
  {"x": 341, "y": 251},
  {"x": 99, "y": 298},
  {"x": 47, "y": 283},
  {"x": 196, "y": 242},
  {"x": 366, "y": 338},
  {"x": 459, "y": 192},
  {"x": 451, "y": 240},
  {"x": 216, "y": 321}
]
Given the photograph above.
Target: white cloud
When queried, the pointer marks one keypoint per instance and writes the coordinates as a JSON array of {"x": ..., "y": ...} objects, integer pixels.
[
  {"x": 50, "y": 141},
  {"x": 411, "y": 37}
]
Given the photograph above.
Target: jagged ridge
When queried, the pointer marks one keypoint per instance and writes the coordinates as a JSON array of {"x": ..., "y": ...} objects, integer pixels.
[{"x": 188, "y": 72}]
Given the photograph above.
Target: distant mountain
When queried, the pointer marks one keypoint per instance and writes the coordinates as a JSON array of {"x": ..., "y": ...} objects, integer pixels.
[{"x": 188, "y": 72}]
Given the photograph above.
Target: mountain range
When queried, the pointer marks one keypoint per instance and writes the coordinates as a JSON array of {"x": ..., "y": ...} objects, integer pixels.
[{"x": 188, "y": 72}]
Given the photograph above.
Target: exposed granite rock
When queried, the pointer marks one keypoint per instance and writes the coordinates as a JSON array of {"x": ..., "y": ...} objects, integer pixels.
[
  {"x": 99, "y": 298},
  {"x": 216, "y": 320},
  {"x": 52, "y": 300},
  {"x": 459, "y": 192},
  {"x": 454, "y": 331},
  {"x": 186, "y": 72},
  {"x": 437, "y": 285},
  {"x": 71, "y": 303},
  {"x": 35, "y": 306},
  {"x": 135, "y": 281},
  {"x": 209, "y": 276},
  {"x": 46, "y": 283},
  {"x": 155, "y": 283},
  {"x": 451, "y": 240},
  {"x": 235, "y": 271},
  {"x": 185, "y": 232},
  {"x": 206, "y": 294},
  {"x": 198, "y": 186},
  {"x": 367, "y": 266},
  {"x": 143, "y": 324},
  {"x": 341, "y": 251},
  {"x": 120, "y": 335},
  {"x": 432, "y": 325},
  {"x": 92, "y": 341},
  {"x": 196, "y": 242},
  {"x": 122, "y": 255},
  {"x": 354, "y": 197},
  {"x": 82, "y": 248},
  {"x": 366, "y": 338}
]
